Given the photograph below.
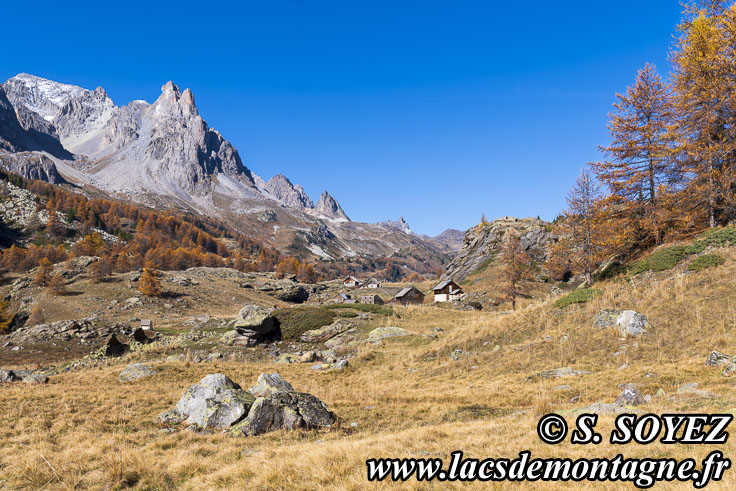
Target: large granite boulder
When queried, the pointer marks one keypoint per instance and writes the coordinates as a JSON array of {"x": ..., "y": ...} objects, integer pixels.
[
  {"x": 257, "y": 324},
  {"x": 285, "y": 411},
  {"x": 216, "y": 402}
]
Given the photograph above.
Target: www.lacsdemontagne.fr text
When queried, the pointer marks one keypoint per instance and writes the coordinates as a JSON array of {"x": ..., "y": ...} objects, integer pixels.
[{"x": 643, "y": 473}]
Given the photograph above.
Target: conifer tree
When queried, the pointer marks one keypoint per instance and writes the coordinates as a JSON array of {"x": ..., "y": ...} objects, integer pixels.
[
  {"x": 704, "y": 68},
  {"x": 57, "y": 286},
  {"x": 35, "y": 318},
  {"x": 101, "y": 269},
  {"x": 585, "y": 236},
  {"x": 6, "y": 318},
  {"x": 43, "y": 273},
  {"x": 148, "y": 283},
  {"x": 515, "y": 268},
  {"x": 640, "y": 168}
]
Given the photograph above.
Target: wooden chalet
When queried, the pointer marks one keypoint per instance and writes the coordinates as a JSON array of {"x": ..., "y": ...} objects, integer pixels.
[
  {"x": 447, "y": 291},
  {"x": 409, "y": 296}
]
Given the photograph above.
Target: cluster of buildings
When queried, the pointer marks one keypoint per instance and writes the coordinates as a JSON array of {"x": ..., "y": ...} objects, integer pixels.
[{"x": 444, "y": 291}]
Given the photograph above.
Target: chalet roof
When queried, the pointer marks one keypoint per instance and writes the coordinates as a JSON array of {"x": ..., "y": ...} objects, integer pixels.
[
  {"x": 371, "y": 280},
  {"x": 404, "y": 291},
  {"x": 343, "y": 296},
  {"x": 441, "y": 285},
  {"x": 146, "y": 322},
  {"x": 350, "y": 278}
]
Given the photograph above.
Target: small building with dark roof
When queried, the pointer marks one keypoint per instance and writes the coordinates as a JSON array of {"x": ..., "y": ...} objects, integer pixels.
[{"x": 409, "y": 296}]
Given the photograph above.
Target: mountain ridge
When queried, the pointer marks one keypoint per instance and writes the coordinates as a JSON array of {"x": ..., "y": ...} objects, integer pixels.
[{"x": 165, "y": 154}]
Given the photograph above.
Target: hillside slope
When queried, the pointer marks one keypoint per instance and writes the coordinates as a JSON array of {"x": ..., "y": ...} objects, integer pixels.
[{"x": 465, "y": 381}]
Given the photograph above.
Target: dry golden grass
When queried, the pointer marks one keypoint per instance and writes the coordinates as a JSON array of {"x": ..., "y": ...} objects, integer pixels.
[{"x": 86, "y": 430}]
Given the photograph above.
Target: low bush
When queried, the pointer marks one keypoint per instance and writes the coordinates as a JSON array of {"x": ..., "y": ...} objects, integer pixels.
[
  {"x": 364, "y": 307},
  {"x": 706, "y": 261},
  {"x": 577, "y": 296},
  {"x": 661, "y": 260},
  {"x": 717, "y": 237}
]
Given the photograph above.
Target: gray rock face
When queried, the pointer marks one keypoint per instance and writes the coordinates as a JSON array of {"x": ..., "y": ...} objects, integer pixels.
[
  {"x": 290, "y": 195},
  {"x": 269, "y": 383},
  {"x": 136, "y": 371},
  {"x": 23, "y": 130},
  {"x": 630, "y": 396},
  {"x": 484, "y": 242},
  {"x": 606, "y": 318},
  {"x": 285, "y": 411},
  {"x": 632, "y": 323},
  {"x": 216, "y": 402},
  {"x": 328, "y": 207},
  {"x": 325, "y": 333},
  {"x": 256, "y": 324}
]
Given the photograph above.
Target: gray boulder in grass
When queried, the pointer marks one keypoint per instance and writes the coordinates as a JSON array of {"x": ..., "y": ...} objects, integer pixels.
[
  {"x": 135, "y": 372},
  {"x": 632, "y": 323},
  {"x": 630, "y": 396},
  {"x": 216, "y": 402},
  {"x": 606, "y": 318},
  {"x": 285, "y": 411}
]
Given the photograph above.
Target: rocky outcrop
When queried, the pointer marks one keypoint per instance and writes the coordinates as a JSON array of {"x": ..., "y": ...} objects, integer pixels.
[
  {"x": 328, "y": 207},
  {"x": 326, "y": 333},
  {"x": 283, "y": 190},
  {"x": 31, "y": 165},
  {"x": 256, "y": 324},
  {"x": 483, "y": 242}
]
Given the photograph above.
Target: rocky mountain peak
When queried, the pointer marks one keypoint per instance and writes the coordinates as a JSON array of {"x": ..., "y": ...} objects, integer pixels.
[
  {"x": 328, "y": 207},
  {"x": 399, "y": 224},
  {"x": 289, "y": 194}
]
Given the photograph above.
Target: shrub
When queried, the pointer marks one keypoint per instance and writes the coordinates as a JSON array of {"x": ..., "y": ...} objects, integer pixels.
[
  {"x": 717, "y": 237},
  {"x": 578, "y": 296},
  {"x": 298, "y": 320},
  {"x": 661, "y": 260},
  {"x": 57, "y": 285},
  {"x": 706, "y": 261}
]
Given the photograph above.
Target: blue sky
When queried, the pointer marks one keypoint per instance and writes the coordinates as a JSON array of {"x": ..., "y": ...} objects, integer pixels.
[{"x": 437, "y": 111}]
